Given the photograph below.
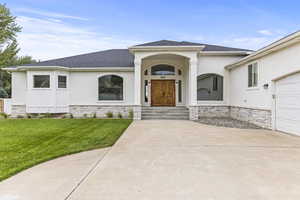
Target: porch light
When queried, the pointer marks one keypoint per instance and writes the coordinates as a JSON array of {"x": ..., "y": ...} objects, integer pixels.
[{"x": 266, "y": 86}]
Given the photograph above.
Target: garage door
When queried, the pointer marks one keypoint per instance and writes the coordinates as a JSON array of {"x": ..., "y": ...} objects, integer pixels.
[{"x": 288, "y": 104}]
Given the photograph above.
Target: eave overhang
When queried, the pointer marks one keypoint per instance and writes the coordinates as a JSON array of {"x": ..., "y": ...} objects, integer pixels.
[{"x": 61, "y": 68}]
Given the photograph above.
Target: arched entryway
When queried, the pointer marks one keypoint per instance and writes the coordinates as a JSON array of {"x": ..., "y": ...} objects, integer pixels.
[
  {"x": 163, "y": 78},
  {"x": 163, "y": 90}
]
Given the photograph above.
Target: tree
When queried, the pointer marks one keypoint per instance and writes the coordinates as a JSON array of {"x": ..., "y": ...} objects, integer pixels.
[
  {"x": 9, "y": 49},
  {"x": 8, "y": 33},
  {"x": 6, "y": 77}
]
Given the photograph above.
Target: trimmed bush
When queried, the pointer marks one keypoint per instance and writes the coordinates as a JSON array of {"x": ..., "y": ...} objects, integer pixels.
[
  {"x": 120, "y": 115},
  {"x": 109, "y": 115},
  {"x": 131, "y": 114}
]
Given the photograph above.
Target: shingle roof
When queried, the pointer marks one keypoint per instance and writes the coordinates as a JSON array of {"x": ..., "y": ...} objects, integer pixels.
[
  {"x": 119, "y": 57},
  {"x": 108, "y": 58},
  {"x": 207, "y": 47}
]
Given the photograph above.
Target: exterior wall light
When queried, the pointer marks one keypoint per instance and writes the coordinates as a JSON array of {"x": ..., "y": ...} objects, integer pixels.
[{"x": 266, "y": 86}]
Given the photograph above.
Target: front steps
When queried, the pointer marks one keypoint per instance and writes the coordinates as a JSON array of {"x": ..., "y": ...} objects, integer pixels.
[{"x": 175, "y": 113}]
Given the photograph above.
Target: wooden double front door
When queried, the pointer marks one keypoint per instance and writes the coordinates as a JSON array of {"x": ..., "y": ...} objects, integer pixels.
[{"x": 163, "y": 93}]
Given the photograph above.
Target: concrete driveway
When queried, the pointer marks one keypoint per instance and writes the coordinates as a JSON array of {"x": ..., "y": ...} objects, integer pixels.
[{"x": 186, "y": 160}]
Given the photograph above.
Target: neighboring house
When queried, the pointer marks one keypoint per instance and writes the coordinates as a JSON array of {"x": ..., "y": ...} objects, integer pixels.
[{"x": 261, "y": 87}]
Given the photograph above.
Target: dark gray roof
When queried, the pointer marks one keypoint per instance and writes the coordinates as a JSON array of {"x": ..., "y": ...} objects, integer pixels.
[
  {"x": 119, "y": 57},
  {"x": 108, "y": 58},
  {"x": 207, "y": 47}
]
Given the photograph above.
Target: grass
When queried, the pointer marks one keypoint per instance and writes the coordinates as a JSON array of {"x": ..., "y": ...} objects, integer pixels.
[{"x": 27, "y": 142}]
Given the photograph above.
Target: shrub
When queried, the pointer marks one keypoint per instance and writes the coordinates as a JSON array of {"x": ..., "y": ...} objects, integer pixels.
[
  {"x": 94, "y": 115},
  {"x": 109, "y": 115},
  {"x": 131, "y": 114},
  {"x": 29, "y": 116},
  {"x": 20, "y": 116},
  {"x": 71, "y": 116},
  {"x": 48, "y": 115},
  {"x": 85, "y": 115},
  {"x": 3, "y": 115},
  {"x": 120, "y": 115}
]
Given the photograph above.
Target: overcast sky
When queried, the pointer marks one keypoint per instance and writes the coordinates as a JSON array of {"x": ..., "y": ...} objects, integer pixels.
[{"x": 58, "y": 28}]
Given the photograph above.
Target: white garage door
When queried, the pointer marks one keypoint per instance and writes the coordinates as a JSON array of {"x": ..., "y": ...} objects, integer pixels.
[{"x": 288, "y": 104}]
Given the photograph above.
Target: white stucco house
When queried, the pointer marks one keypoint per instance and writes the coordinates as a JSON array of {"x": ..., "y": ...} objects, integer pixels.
[{"x": 166, "y": 79}]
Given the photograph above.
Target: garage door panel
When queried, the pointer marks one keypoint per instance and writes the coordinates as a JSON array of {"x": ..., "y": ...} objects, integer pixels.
[
  {"x": 288, "y": 126},
  {"x": 283, "y": 99},
  {"x": 288, "y": 104},
  {"x": 292, "y": 114}
]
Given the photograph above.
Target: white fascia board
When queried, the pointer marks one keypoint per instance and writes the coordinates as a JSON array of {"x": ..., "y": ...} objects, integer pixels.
[
  {"x": 27, "y": 68},
  {"x": 276, "y": 46},
  {"x": 286, "y": 75},
  {"x": 30, "y": 68},
  {"x": 225, "y": 52},
  {"x": 103, "y": 69}
]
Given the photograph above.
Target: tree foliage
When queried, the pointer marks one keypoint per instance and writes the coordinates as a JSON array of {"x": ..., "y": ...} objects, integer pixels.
[{"x": 9, "y": 49}]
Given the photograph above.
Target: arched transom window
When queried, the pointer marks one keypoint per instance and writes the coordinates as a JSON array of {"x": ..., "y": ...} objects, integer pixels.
[
  {"x": 110, "y": 88},
  {"x": 209, "y": 87},
  {"x": 162, "y": 70}
]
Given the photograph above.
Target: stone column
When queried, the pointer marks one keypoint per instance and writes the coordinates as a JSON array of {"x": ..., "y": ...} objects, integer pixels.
[{"x": 137, "y": 88}]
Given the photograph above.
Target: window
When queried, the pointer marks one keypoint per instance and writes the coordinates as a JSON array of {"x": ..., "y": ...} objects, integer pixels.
[
  {"x": 110, "y": 88},
  {"x": 41, "y": 81},
  {"x": 179, "y": 91},
  {"x": 215, "y": 83},
  {"x": 62, "y": 81},
  {"x": 163, "y": 70},
  {"x": 146, "y": 72},
  {"x": 179, "y": 72},
  {"x": 252, "y": 75},
  {"x": 209, "y": 87},
  {"x": 146, "y": 91}
]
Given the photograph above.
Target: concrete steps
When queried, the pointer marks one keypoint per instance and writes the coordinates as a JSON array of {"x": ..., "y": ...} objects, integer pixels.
[{"x": 176, "y": 113}]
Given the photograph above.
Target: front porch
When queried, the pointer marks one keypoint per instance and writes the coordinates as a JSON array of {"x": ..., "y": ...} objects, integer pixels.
[{"x": 165, "y": 78}]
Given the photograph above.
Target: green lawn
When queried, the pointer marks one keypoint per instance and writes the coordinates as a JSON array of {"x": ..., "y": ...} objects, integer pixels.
[{"x": 27, "y": 142}]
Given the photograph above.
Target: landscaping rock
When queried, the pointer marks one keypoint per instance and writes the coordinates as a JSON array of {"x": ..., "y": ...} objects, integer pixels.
[{"x": 227, "y": 122}]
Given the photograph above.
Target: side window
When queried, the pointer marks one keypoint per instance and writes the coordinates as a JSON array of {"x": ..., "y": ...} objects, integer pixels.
[
  {"x": 41, "y": 81},
  {"x": 62, "y": 81},
  {"x": 252, "y": 75},
  {"x": 209, "y": 87}
]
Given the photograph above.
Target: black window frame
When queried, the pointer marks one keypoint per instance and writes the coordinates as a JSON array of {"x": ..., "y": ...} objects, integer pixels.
[
  {"x": 43, "y": 84},
  {"x": 214, "y": 91},
  {"x": 59, "y": 82},
  {"x": 146, "y": 98},
  {"x": 253, "y": 75},
  {"x": 168, "y": 69},
  {"x": 179, "y": 91},
  {"x": 112, "y": 87}
]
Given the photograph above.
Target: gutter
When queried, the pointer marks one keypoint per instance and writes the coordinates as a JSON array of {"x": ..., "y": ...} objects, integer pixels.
[{"x": 92, "y": 69}]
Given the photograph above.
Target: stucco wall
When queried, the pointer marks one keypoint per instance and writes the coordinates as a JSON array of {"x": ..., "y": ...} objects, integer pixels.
[
  {"x": 19, "y": 88},
  {"x": 43, "y": 100},
  {"x": 269, "y": 67},
  {"x": 215, "y": 64},
  {"x": 84, "y": 88}
]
